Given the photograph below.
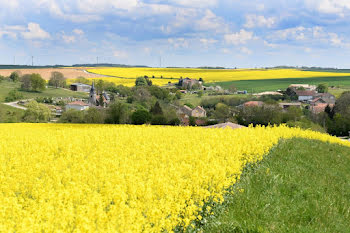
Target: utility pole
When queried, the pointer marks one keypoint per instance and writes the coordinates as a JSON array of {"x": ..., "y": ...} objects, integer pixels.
[
  {"x": 97, "y": 60},
  {"x": 32, "y": 60},
  {"x": 160, "y": 61},
  {"x": 14, "y": 60}
]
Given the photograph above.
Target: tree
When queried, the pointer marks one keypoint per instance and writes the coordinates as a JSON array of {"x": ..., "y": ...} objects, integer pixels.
[
  {"x": 37, "y": 82},
  {"x": 83, "y": 80},
  {"x": 322, "y": 88},
  {"x": 141, "y": 81},
  {"x": 37, "y": 113},
  {"x": 57, "y": 80},
  {"x": 117, "y": 113},
  {"x": 13, "y": 95},
  {"x": 99, "y": 86},
  {"x": 156, "y": 109},
  {"x": 178, "y": 94},
  {"x": 72, "y": 116},
  {"x": 159, "y": 120},
  {"x": 33, "y": 82},
  {"x": 15, "y": 76},
  {"x": 222, "y": 111},
  {"x": 140, "y": 117},
  {"x": 93, "y": 116},
  {"x": 200, "y": 94}
]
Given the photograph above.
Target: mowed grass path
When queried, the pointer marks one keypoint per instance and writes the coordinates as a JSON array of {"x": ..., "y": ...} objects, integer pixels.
[{"x": 302, "y": 186}]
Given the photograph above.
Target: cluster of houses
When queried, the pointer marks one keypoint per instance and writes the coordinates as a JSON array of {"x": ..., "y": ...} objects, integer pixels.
[
  {"x": 305, "y": 94},
  {"x": 95, "y": 100}
]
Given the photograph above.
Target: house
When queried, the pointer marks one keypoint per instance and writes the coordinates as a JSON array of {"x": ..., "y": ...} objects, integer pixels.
[
  {"x": 318, "y": 108},
  {"x": 101, "y": 100},
  {"x": 77, "y": 105},
  {"x": 306, "y": 87},
  {"x": 253, "y": 104},
  {"x": 188, "y": 83},
  {"x": 326, "y": 97},
  {"x": 81, "y": 87},
  {"x": 227, "y": 125},
  {"x": 305, "y": 96},
  {"x": 288, "y": 105},
  {"x": 199, "y": 112},
  {"x": 185, "y": 110}
]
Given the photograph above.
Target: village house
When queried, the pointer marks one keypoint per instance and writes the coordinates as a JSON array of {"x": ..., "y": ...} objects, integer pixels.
[
  {"x": 320, "y": 107},
  {"x": 81, "y": 87},
  {"x": 199, "y": 112},
  {"x": 101, "y": 100},
  {"x": 325, "y": 98},
  {"x": 77, "y": 105},
  {"x": 305, "y": 96},
  {"x": 188, "y": 83}
]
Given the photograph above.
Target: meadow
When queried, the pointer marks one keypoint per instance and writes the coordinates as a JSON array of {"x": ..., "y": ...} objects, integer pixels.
[{"x": 104, "y": 178}]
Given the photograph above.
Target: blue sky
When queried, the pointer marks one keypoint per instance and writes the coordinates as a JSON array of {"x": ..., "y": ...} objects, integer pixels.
[{"x": 228, "y": 33}]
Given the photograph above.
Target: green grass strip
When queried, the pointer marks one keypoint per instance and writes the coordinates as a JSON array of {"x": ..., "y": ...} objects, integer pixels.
[{"x": 301, "y": 186}]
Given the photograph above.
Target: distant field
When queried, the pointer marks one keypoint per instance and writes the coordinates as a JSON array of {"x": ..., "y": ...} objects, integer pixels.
[
  {"x": 69, "y": 73},
  {"x": 253, "y": 86},
  {"x": 211, "y": 75}
]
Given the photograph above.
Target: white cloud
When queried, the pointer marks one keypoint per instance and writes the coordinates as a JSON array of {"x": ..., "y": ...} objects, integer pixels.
[
  {"x": 338, "y": 7},
  {"x": 241, "y": 37},
  {"x": 308, "y": 50},
  {"x": 178, "y": 42},
  {"x": 253, "y": 21},
  {"x": 12, "y": 4},
  {"x": 120, "y": 54},
  {"x": 211, "y": 22},
  {"x": 78, "y": 32},
  {"x": 196, "y": 3},
  {"x": 225, "y": 51},
  {"x": 207, "y": 42},
  {"x": 271, "y": 45},
  {"x": 245, "y": 50},
  {"x": 34, "y": 31}
]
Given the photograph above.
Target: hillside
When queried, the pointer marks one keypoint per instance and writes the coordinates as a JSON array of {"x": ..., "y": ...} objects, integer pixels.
[{"x": 301, "y": 186}]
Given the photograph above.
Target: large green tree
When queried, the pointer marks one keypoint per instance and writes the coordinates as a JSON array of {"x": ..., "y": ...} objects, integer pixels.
[
  {"x": 37, "y": 113},
  {"x": 57, "y": 80}
]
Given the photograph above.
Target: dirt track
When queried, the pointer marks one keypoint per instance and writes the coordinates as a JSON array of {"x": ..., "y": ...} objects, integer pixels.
[{"x": 69, "y": 73}]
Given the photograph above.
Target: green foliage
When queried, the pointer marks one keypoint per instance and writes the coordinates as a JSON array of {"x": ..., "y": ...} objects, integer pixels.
[
  {"x": 36, "y": 113},
  {"x": 339, "y": 117},
  {"x": 158, "y": 92},
  {"x": 157, "y": 109},
  {"x": 140, "y": 117},
  {"x": 141, "y": 81},
  {"x": 301, "y": 186},
  {"x": 322, "y": 88},
  {"x": 222, "y": 111},
  {"x": 9, "y": 114},
  {"x": 192, "y": 121},
  {"x": 158, "y": 120},
  {"x": 13, "y": 95},
  {"x": 99, "y": 86},
  {"x": 94, "y": 116},
  {"x": 57, "y": 80},
  {"x": 189, "y": 105},
  {"x": 306, "y": 124},
  {"x": 117, "y": 113},
  {"x": 15, "y": 76},
  {"x": 178, "y": 95},
  {"x": 267, "y": 115},
  {"x": 72, "y": 116},
  {"x": 82, "y": 80},
  {"x": 200, "y": 93},
  {"x": 33, "y": 82}
]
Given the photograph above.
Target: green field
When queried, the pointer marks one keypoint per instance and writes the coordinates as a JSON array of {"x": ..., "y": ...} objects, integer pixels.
[
  {"x": 301, "y": 186},
  {"x": 254, "y": 86},
  {"x": 9, "y": 114},
  {"x": 6, "y": 87}
]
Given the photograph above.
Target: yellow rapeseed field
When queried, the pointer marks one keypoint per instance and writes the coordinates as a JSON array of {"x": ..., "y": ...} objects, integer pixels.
[
  {"x": 103, "y": 178},
  {"x": 214, "y": 75}
]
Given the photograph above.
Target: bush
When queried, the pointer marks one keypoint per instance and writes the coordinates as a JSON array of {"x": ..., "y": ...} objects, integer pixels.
[
  {"x": 13, "y": 96},
  {"x": 36, "y": 113},
  {"x": 72, "y": 116},
  {"x": 15, "y": 76},
  {"x": 140, "y": 117},
  {"x": 174, "y": 121},
  {"x": 117, "y": 113},
  {"x": 33, "y": 82},
  {"x": 93, "y": 116},
  {"x": 159, "y": 120}
]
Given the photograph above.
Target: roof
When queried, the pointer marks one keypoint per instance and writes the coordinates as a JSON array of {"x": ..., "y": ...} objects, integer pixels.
[
  {"x": 78, "y": 103},
  {"x": 305, "y": 93},
  {"x": 187, "y": 108},
  {"x": 319, "y": 108},
  {"x": 302, "y": 85},
  {"x": 199, "y": 108},
  {"x": 253, "y": 103},
  {"x": 226, "y": 125}
]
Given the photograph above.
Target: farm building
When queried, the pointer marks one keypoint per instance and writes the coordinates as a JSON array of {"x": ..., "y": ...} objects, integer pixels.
[
  {"x": 199, "y": 112},
  {"x": 304, "y": 96},
  {"x": 188, "y": 83},
  {"x": 267, "y": 93},
  {"x": 288, "y": 105},
  {"x": 81, "y": 87},
  {"x": 77, "y": 105},
  {"x": 320, "y": 107},
  {"x": 326, "y": 97},
  {"x": 253, "y": 104}
]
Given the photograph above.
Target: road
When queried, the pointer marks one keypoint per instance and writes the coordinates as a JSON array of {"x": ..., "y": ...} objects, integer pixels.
[{"x": 15, "y": 105}]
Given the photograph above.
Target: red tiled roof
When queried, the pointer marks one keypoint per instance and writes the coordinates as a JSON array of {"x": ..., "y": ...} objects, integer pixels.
[
  {"x": 253, "y": 103},
  {"x": 305, "y": 93},
  {"x": 79, "y": 103}
]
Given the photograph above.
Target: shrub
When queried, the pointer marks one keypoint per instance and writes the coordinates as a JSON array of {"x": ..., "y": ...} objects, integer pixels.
[
  {"x": 159, "y": 120},
  {"x": 13, "y": 96},
  {"x": 140, "y": 117}
]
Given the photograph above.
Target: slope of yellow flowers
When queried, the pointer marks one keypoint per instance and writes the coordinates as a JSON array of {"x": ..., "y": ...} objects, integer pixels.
[
  {"x": 103, "y": 178},
  {"x": 214, "y": 75}
]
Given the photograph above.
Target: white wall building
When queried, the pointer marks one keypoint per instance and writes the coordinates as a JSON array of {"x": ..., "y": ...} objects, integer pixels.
[{"x": 77, "y": 105}]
